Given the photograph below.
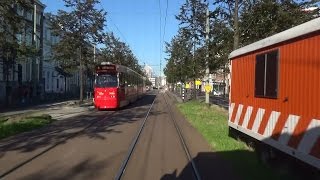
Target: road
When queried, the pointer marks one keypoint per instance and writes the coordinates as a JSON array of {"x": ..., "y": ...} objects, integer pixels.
[{"x": 94, "y": 145}]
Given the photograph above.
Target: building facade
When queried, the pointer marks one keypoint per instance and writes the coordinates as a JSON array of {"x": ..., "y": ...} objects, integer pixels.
[
  {"x": 22, "y": 78},
  {"x": 54, "y": 82},
  {"x": 148, "y": 71}
]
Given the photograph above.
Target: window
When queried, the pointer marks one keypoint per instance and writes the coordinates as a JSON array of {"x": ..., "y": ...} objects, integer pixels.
[
  {"x": 38, "y": 18},
  {"x": 266, "y": 75},
  {"x": 47, "y": 80},
  {"x": 20, "y": 10},
  {"x": 29, "y": 15},
  {"x": 106, "y": 80}
]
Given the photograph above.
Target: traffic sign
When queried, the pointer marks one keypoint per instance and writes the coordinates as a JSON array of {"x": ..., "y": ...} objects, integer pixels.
[{"x": 207, "y": 88}]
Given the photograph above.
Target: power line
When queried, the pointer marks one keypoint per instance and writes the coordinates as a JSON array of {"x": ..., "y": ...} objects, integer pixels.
[
  {"x": 164, "y": 32},
  {"x": 114, "y": 24},
  {"x": 165, "y": 23},
  {"x": 119, "y": 30},
  {"x": 160, "y": 34}
]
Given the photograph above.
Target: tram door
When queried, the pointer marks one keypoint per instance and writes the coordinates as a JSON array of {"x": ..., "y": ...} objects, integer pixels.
[{"x": 122, "y": 87}]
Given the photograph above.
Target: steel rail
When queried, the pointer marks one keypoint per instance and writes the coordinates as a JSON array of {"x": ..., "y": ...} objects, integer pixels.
[
  {"x": 133, "y": 145},
  {"x": 185, "y": 147}
]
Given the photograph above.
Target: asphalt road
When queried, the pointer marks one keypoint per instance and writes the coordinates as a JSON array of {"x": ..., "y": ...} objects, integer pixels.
[
  {"x": 69, "y": 152},
  {"x": 93, "y": 145}
]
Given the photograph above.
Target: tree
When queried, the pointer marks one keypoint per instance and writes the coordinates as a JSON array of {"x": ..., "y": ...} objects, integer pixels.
[
  {"x": 265, "y": 18},
  {"x": 119, "y": 52},
  {"x": 192, "y": 19},
  {"x": 179, "y": 66},
  {"x": 78, "y": 30}
]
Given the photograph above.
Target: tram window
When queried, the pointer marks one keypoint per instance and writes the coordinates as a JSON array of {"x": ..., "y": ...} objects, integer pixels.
[
  {"x": 122, "y": 81},
  {"x": 106, "y": 80}
]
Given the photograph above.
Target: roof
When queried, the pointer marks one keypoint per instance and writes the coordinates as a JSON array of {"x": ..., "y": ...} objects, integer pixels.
[{"x": 297, "y": 31}]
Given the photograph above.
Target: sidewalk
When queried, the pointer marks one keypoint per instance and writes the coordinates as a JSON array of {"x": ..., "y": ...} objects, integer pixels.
[{"x": 36, "y": 108}]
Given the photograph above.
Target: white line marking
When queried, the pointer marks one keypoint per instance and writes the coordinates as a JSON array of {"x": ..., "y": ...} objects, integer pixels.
[
  {"x": 273, "y": 119},
  {"x": 231, "y": 107},
  {"x": 288, "y": 129},
  {"x": 310, "y": 137},
  {"x": 240, "y": 107},
  {"x": 247, "y": 117},
  {"x": 258, "y": 120}
]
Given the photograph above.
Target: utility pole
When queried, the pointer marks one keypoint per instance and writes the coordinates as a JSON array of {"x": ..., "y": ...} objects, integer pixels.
[
  {"x": 207, "y": 55},
  {"x": 94, "y": 53},
  {"x": 194, "y": 89},
  {"x": 80, "y": 54},
  {"x": 160, "y": 75}
]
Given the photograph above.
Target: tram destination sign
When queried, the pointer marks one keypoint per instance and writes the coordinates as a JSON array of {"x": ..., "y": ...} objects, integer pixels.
[{"x": 105, "y": 69}]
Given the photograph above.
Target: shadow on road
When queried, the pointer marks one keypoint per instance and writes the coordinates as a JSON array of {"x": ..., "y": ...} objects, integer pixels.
[
  {"x": 212, "y": 165},
  {"x": 63, "y": 130},
  {"x": 87, "y": 169},
  {"x": 263, "y": 159}
]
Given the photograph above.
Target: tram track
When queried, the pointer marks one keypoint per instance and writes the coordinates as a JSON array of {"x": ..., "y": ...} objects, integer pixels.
[
  {"x": 185, "y": 147},
  {"x": 134, "y": 143}
]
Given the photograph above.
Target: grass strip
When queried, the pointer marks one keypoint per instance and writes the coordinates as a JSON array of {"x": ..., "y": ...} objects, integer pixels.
[
  {"x": 212, "y": 123},
  {"x": 8, "y": 128}
]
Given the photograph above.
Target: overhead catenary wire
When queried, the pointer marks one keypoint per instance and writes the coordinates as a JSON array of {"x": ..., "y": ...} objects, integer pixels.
[
  {"x": 165, "y": 23},
  {"x": 164, "y": 34},
  {"x": 160, "y": 38},
  {"x": 114, "y": 24}
]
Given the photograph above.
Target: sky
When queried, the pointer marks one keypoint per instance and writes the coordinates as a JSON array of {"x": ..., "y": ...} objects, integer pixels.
[{"x": 137, "y": 22}]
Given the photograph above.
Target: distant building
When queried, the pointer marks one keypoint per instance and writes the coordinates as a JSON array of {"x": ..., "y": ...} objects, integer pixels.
[
  {"x": 163, "y": 81},
  {"x": 153, "y": 81},
  {"x": 55, "y": 82},
  {"x": 148, "y": 70}
]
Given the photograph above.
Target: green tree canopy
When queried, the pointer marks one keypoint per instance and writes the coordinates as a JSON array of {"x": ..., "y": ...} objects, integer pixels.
[{"x": 79, "y": 29}]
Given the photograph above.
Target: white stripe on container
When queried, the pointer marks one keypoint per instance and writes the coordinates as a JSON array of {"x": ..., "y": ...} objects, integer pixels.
[
  {"x": 273, "y": 119},
  {"x": 258, "y": 120},
  {"x": 288, "y": 129},
  {"x": 310, "y": 137},
  {"x": 247, "y": 117},
  {"x": 231, "y": 107},
  {"x": 240, "y": 107}
]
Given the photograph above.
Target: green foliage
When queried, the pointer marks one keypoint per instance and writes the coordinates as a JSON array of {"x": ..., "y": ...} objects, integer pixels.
[
  {"x": 267, "y": 17},
  {"x": 119, "y": 52},
  {"x": 180, "y": 65},
  {"x": 186, "y": 50},
  {"x": 78, "y": 29},
  {"x": 258, "y": 19},
  {"x": 29, "y": 123},
  {"x": 12, "y": 24},
  {"x": 212, "y": 123}
]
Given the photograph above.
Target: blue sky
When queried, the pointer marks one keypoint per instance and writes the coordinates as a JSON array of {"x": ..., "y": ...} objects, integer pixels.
[{"x": 138, "y": 24}]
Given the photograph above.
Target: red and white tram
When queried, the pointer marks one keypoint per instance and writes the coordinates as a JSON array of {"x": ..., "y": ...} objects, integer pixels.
[{"x": 116, "y": 86}]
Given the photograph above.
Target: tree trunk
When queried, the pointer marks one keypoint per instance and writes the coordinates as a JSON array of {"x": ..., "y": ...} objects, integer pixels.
[
  {"x": 81, "y": 77},
  {"x": 236, "y": 25},
  {"x": 65, "y": 86},
  {"x": 236, "y": 40}
]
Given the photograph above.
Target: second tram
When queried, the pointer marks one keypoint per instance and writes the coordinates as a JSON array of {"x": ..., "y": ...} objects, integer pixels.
[{"x": 116, "y": 86}]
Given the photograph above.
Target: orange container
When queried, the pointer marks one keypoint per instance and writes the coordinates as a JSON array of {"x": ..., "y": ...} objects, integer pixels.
[{"x": 275, "y": 91}]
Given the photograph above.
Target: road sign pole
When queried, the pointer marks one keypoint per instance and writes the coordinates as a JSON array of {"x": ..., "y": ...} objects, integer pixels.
[{"x": 207, "y": 56}]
